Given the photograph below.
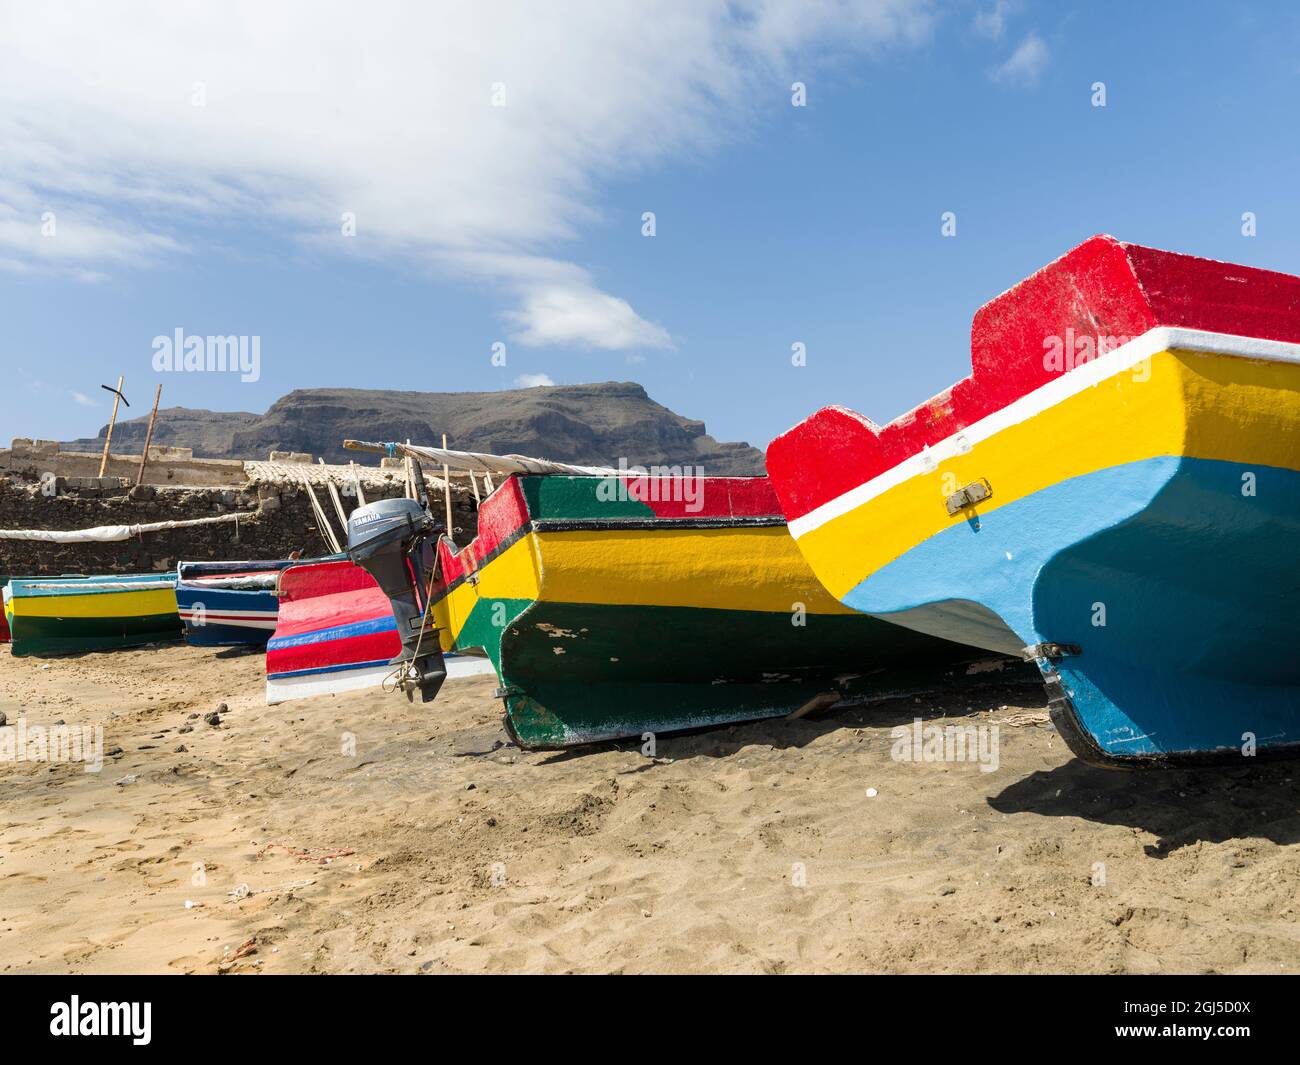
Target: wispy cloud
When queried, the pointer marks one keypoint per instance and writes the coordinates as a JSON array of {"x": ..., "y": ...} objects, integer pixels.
[
  {"x": 138, "y": 124},
  {"x": 533, "y": 380},
  {"x": 84, "y": 400},
  {"x": 992, "y": 22},
  {"x": 1026, "y": 64}
]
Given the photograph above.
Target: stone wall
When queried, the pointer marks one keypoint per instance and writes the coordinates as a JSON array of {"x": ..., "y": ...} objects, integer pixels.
[
  {"x": 167, "y": 465},
  {"x": 280, "y": 520}
]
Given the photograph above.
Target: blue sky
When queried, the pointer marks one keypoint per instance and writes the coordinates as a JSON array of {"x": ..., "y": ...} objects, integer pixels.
[{"x": 522, "y": 224}]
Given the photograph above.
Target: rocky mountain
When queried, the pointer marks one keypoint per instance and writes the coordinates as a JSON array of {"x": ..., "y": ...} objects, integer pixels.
[{"x": 594, "y": 424}]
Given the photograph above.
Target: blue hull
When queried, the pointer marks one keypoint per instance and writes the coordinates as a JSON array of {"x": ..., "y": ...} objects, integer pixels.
[
  {"x": 222, "y": 615},
  {"x": 1158, "y": 599}
]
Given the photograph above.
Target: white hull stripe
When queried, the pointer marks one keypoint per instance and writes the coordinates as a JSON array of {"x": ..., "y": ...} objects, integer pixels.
[
  {"x": 217, "y": 617},
  {"x": 229, "y": 623},
  {"x": 305, "y": 685},
  {"x": 1055, "y": 391}
]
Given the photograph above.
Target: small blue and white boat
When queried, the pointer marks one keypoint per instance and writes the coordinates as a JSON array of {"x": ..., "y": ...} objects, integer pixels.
[{"x": 229, "y": 604}]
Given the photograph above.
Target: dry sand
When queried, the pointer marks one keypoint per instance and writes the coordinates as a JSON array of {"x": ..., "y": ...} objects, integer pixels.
[{"x": 264, "y": 847}]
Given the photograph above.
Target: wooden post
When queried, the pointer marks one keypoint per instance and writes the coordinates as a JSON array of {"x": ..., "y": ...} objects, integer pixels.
[
  {"x": 117, "y": 398},
  {"x": 148, "y": 436},
  {"x": 446, "y": 488}
]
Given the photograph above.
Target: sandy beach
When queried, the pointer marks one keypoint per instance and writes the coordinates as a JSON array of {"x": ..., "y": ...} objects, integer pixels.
[{"x": 363, "y": 833}]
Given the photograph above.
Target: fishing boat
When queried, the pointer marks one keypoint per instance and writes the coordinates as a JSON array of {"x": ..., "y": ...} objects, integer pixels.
[
  {"x": 1114, "y": 492},
  {"x": 228, "y": 604},
  {"x": 334, "y": 632},
  {"x": 71, "y": 614},
  {"x": 617, "y": 605}
]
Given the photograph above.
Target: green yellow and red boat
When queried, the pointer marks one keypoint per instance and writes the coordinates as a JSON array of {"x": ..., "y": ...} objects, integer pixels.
[{"x": 613, "y": 605}]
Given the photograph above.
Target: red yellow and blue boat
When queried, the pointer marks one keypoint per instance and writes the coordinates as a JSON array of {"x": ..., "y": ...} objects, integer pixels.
[
  {"x": 334, "y": 632},
  {"x": 1113, "y": 492},
  {"x": 617, "y": 606}
]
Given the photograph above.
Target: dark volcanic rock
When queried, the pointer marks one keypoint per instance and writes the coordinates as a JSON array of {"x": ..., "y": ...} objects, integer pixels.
[
  {"x": 593, "y": 424},
  {"x": 209, "y": 433}
]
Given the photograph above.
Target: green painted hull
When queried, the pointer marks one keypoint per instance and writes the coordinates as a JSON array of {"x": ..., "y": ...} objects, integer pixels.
[
  {"x": 574, "y": 673},
  {"x": 51, "y": 636}
]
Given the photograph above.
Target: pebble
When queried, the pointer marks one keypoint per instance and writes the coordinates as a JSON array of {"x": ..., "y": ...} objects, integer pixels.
[
  {"x": 130, "y": 778},
  {"x": 181, "y": 749},
  {"x": 213, "y": 719}
]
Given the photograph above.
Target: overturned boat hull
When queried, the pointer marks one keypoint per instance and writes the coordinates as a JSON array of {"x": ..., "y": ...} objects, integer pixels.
[{"x": 1122, "y": 519}]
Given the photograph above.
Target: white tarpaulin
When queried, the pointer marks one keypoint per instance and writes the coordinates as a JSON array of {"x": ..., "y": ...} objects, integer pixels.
[
  {"x": 479, "y": 462},
  {"x": 107, "y": 534}
]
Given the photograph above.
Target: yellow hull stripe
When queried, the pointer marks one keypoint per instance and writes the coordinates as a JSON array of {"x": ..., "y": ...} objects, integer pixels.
[
  {"x": 752, "y": 569},
  {"x": 100, "y": 605},
  {"x": 1187, "y": 404}
]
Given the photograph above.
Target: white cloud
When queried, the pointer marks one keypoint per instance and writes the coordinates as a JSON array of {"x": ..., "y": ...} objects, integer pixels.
[
  {"x": 533, "y": 380},
  {"x": 1026, "y": 64},
  {"x": 313, "y": 109},
  {"x": 573, "y": 314},
  {"x": 992, "y": 23},
  {"x": 83, "y": 400}
]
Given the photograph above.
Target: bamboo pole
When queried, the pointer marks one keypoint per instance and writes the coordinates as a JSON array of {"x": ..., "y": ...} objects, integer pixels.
[
  {"x": 117, "y": 398},
  {"x": 446, "y": 488},
  {"x": 148, "y": 436},
  {"x": 356, "y": 479},
  {"x": 338, "y": 504},
  {"x": 326, "y": 530}
]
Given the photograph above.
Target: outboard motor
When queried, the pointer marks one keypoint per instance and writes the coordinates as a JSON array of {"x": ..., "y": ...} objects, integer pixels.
[{"x": 393, "y": 540}]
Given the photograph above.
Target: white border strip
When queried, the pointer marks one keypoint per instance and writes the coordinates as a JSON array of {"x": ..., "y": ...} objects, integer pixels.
[
  {"x": 305, "y": 685},
  {"x": 1055, "y": 391},
  {"x": 284, "y": 689}
]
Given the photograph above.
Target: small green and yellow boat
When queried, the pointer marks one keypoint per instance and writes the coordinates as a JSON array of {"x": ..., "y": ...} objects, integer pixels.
[{"x": 71, "y": 614}]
